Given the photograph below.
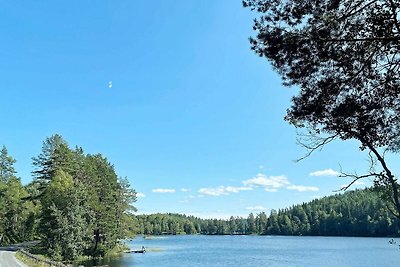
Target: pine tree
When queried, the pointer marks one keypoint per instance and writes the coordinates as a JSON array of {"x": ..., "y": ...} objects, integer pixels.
[{"x": 13, "y": 210}]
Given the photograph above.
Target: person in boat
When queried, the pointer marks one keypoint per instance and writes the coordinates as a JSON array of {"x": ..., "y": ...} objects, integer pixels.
[{"x": 143, "y": 249}]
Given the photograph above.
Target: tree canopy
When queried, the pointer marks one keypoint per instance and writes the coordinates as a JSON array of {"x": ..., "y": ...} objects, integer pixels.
[
  {"x": 76, "y": 204},
  {"x": 85, "y": 203},
  {"x": 344, "y": 57},
  {"x": 16, "y": 216},
  {"x": 354, "y": 213}
]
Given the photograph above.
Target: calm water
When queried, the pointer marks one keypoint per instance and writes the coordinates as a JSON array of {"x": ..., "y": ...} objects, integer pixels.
[{"x": 261, "y": 251}]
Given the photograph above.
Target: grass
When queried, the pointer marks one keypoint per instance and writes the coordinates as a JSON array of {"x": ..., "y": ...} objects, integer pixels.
[
  {"x": 28, "y": 261},
  {"x": 39, "y": 250},
  {"x": 117, "y": 250}
]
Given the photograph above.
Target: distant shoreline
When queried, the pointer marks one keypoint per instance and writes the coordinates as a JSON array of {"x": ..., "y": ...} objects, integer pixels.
[{"x": 166, "y": 235}]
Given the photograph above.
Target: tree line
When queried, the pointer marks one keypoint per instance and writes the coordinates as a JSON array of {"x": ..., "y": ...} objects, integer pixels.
[
  {"x": 354, "y": 213},
  {"x": 76, "y": 204}
]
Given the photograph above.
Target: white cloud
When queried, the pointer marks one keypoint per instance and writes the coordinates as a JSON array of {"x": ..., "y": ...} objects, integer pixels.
[
  {"x": 270, "y": 183},
  {"x": 163, "y": 190},
  {"x": 256, "y": 208},
  {"x": 213, "y": 215},
  {"x": 273, "y": 183},
  {"x": 327, "y": 172},
  {"x": 185, "y": 190},
  {"x": 302, "y": 188},
  {"x": 233, "y": 189},
  {"x": 213, "y": 191},
  {"x": 140, "y": 195},
  {"x": 222, "y": 190},
  {"x": 271, "y": 189}
]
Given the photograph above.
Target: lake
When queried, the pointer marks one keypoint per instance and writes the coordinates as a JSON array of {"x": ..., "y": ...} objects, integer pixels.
[{"x": 261, "y": 251}]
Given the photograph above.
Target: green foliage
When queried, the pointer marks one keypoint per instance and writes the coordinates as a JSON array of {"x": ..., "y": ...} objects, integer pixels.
[
  {"x": 30, "y": 262},
  {"x": 16, "y": 215},
  {"x": 76, "y": 204},
  {"x": 343, "y": 56},
  {"x": 84, "y": 202},
  {"x": 232, "y": 225},
  {"x": 251, "y": 224},
  {"x": 354, "y": 213},
  {"x": 6, "y": 165},
  {"x": 65, "y": 218},
  {"x": 55, "y": 155}
]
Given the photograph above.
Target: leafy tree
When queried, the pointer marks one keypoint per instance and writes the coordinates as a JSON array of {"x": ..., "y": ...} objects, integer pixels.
[
  {"x": 212, "y": 227},
  {"x": 344, "y": 57},
  {"x": 189, "y": 228},
  {"x": 354, "y": 213},
  {"x": 76, "y": 204},
  {"x": 286, "y": 225},
  {"x": 251, "y": 223},
  {"x": 273, "y": 225},
  {"x": 241, "y": 225},
  {"x": 55, "y": 155},
  {"x": 232, "y": 225},
  {"x": 101, "y": 201},
  {"x": 315, "y": 225},
  {"x": 13, "y": 210},
  {"x": 65, "y": 220},
  {"x": 261, "y": 223},
  {"x": 7, "y": 169}
]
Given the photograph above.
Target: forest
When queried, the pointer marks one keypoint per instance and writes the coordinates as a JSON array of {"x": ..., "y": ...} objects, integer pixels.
[
  {"x": 353, "y": 213},
  {"x": 76, "y": 204}
]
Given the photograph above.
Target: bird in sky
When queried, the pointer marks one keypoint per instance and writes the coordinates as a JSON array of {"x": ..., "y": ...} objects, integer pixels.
[{"x": 110, "y": 84}]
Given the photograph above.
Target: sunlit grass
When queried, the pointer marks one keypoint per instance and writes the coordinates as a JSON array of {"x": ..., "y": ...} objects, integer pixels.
[{"x": 28, "y": 261}]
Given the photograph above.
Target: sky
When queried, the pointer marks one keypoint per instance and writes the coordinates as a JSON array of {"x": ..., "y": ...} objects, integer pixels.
[{"x": 171, "y": 94}]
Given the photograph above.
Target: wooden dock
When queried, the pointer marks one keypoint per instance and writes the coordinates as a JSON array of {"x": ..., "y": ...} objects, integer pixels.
[{"x": 136, "y": 251}]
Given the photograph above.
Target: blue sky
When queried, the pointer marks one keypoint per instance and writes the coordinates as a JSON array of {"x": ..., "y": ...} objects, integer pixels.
[{"x": 194, "y": 118}]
